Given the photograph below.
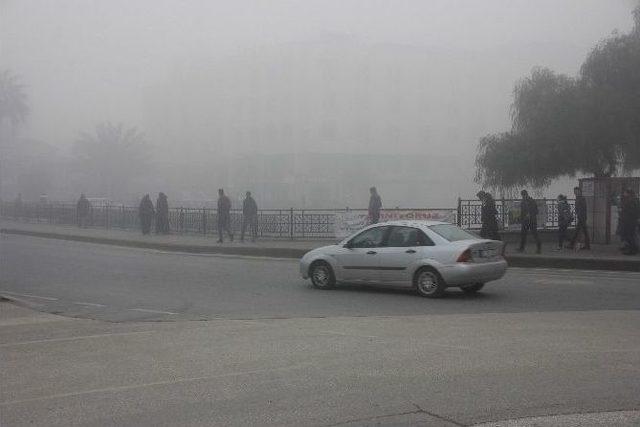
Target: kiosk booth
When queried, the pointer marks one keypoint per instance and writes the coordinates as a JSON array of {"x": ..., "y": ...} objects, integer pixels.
[{"x": 603, "y": 200}]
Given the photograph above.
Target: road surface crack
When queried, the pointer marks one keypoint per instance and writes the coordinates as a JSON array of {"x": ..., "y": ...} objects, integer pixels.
[
  {"x": 418, "y": 410},
  {"x": 440, "y": 417}
]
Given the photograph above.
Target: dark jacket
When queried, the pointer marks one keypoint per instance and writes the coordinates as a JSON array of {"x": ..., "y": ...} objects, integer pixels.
[
  {"x": 162, "y": 205},
  {"x": 488, "y": 214},
  {"x": 375, "y": 203},
  {"x": 83, "y": 207},
  {"x": 581, "y": 208},
  {"x": 224, "y": 206},
  {"x": 529, "y": 210},
  {"x": 564, "y": 213},
  {"x": 146, "y": 207},
  {"x": 629, "y": 213},
  {"x": 249, "y": 207}
]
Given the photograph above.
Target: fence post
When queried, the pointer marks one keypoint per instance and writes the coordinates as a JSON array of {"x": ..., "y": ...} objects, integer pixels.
[
  {"x": 204, "y": 221},
  {"x": 459, "y": 212},
  {"x": 503, "y": 213},
  {"x": 106, "y": 216},
  {"x": 291, "y": 223}
]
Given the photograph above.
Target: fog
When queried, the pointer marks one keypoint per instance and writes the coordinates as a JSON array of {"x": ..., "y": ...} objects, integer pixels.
[{"x": 305, "y": 103}]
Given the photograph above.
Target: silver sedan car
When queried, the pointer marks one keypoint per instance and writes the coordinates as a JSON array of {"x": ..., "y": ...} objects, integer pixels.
[{"x": 427, "y": 255}]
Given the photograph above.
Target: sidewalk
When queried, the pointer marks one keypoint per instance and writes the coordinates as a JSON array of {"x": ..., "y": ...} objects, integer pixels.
[{"x": 600, "y": 257}]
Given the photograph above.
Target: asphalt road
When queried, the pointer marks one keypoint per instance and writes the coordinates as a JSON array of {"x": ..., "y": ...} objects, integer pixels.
[
  {"x": 536, "y": 348},
  {"x": 120, "y": 284}
]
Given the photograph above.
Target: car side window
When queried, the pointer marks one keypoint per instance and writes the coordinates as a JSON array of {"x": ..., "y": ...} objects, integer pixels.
[
  {"x": 402, "y": 237},
  {"x": 371, "y": 238}
]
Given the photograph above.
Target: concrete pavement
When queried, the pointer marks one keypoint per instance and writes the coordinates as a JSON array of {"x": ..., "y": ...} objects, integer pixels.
[
  {"x": 539, "y": 347},
  {"x": 436, "y": 370}
]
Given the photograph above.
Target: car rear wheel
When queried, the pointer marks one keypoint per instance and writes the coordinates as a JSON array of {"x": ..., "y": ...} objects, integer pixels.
[
  {"x": 322, "y": 276},
  {"x": 428, "y": 283},
  {"x": 473, "y": 288}
]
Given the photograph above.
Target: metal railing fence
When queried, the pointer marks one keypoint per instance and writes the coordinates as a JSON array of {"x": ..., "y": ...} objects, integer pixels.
[
  {"x": 273, "y": 223},
  {"x": 469, "y": 213}
]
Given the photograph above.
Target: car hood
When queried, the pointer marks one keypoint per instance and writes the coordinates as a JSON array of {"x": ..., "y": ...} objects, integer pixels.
[{"x": 329, "y": 249}]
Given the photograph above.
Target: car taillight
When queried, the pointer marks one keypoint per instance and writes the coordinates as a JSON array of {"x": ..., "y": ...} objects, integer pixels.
[{"x": 465, "y": 256}]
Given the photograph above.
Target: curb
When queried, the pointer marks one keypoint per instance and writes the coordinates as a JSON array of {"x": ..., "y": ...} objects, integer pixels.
[
  {"x": 534, "y": 261},
  {"x": 574, "y": 263},
  {"x": 172, "y": 247}
]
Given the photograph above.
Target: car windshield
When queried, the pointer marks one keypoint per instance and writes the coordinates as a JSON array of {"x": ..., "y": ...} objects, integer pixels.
[{"x": 452, "y": 233}]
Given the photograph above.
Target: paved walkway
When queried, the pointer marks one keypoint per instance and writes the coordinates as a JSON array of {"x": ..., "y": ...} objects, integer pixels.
[{"x": 604, "y": 257}]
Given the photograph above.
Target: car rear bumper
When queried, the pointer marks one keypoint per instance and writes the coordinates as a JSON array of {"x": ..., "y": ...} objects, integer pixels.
[{"x": 465, "y": 273}]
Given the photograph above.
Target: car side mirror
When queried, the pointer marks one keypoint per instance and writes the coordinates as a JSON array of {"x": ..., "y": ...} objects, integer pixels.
[{"x": 347, "y": 245}]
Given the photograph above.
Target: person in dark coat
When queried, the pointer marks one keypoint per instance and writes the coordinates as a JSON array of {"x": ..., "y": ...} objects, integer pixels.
[
  {"x": 529, "y": 218},
  {"x": 629, "y": 214},
  {"x": 83, "y": 211},
  {"x": 375, "y": 204},
  {"x": 249, "y": 217},
  {"x": 17, "y": 207},
  {"x": 162, "y": 214},
  {"x": 564, "y": 219},
  {"x": 224, "y": 216},
  {"x": 581, "y": 216},
  {"x": 488, "y": 216},
  {"x": 146, "y": 213}
]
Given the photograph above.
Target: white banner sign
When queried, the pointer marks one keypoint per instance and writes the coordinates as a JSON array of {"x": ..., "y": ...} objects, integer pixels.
[{"x": 347, "y": 223}]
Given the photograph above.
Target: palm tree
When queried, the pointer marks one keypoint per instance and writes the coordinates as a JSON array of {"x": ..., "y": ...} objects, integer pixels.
[
  {"x": 13, "y": 99},
  {"x": 111, "y": 157},
  {"x": 13, "y": 111}
]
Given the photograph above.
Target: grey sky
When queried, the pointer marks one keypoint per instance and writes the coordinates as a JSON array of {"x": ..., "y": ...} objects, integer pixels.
[
  {"x": 87, "y": 61},
  {"x": 79, "y": 53}
]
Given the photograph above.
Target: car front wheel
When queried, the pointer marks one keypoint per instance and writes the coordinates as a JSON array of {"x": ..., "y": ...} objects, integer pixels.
[
  {"x": 473, "y": 288},
  {"x": 428, "y": 283},
  {"x": 322, "y": 276}
]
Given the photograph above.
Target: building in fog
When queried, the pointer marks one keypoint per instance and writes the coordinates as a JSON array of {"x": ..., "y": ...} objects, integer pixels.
[{"x": 315, "y": 124}]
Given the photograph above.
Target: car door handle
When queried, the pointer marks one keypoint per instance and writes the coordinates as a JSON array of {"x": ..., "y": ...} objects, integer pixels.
[
  {"x": 410, "y": 251},
  {"x": 372, "y": 253}
]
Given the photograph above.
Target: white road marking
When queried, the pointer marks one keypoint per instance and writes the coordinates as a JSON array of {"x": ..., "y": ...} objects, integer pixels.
[
  {"x": 152, "y": 384},
  {"x": 31, "y": 296},
  {"x": 558, "y": 281},
  {"x": 82, "y": 337},
  {"x": 91, "y": 304},
  {"x": 146, "y": 310},
  {"x": 347, "y": 335},
  {"x": 24, "y": 301},
  {"x": 611, "y": 350}
]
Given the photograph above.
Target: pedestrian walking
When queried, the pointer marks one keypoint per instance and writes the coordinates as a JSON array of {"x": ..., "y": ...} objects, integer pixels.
[
  {"x": 162, "y": 214},
  {"x": 581, "y": 217},
  {"x": 17, "y": 207},
  {"x": 224, "y": 216},
  {"x": 629, "y": 214},
  {"x": 565, "y": 218},
  {"x": 529, "y": 218},
  {"x": 375, "y": 204},
  {"x": 83, "y": 211},
  {"x": 488, "y": 216},
  {"x": 146, "y": 213},
  {"x": 249, "y": 217}
]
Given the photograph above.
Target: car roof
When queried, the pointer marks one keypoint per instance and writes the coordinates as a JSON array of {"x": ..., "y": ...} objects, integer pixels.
[{"x": 412, "y": 223}]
